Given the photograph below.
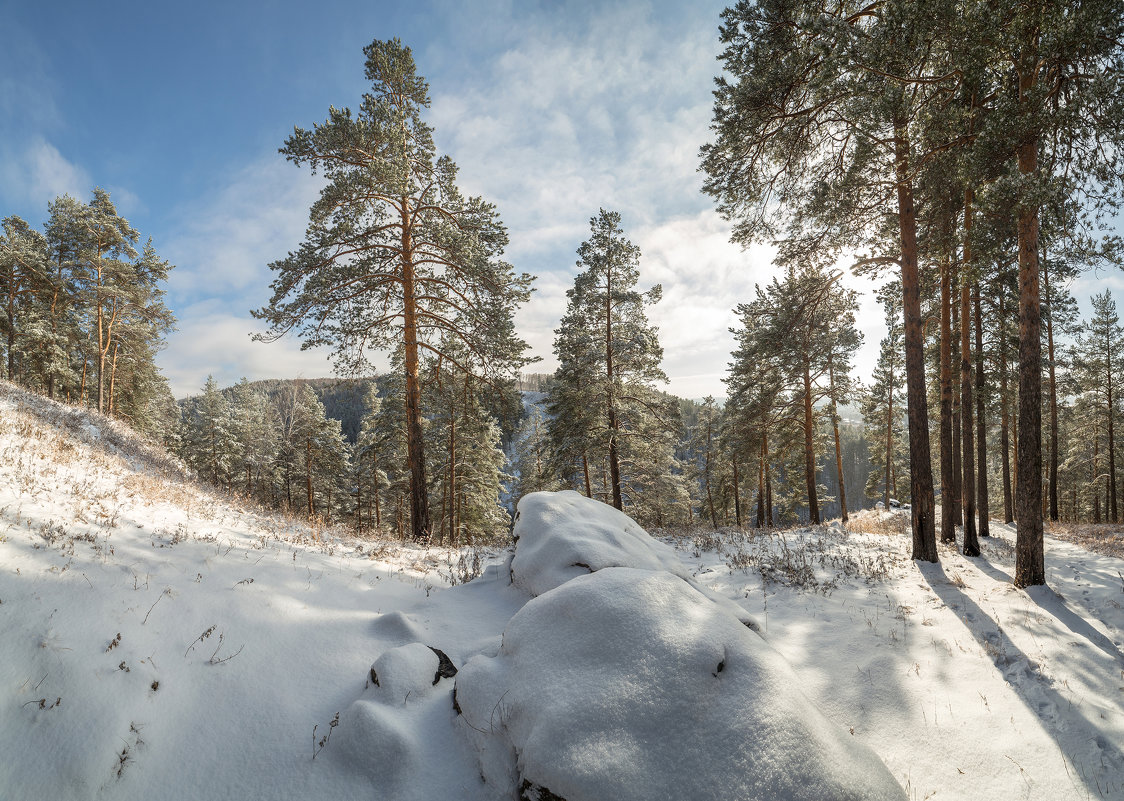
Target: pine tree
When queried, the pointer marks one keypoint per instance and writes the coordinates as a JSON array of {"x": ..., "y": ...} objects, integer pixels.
[
  {"x": 371, "y": 479},
  {"x": 1096, "y": 363},
  {"x": 64, "y": 233},
  {"x": 609, "y": 357},
  {"x": 22, "y": 277},
  {"x": 883, "y": 404},
  {"x": 255, "y": 428},
  {"x": 210, "y": 443},
  {"x": 395, "y": 256},
  {"x": 818, "y": 137},
  {"x": 706, "y": 465},
  {"x": 802, "y": 329},
  {"x": 107, "y": 247}
]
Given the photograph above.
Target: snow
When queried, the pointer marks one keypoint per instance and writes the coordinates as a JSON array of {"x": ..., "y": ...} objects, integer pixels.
[
  {"x": 631, "y": 684},
  {"x": 562, "y": 535},
  {"x": 592, "y": 682}
]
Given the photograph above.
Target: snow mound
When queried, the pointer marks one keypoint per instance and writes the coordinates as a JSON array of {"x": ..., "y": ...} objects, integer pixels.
[
  {"x": 631, "y": 684},
  {"x": 562, "y": 535}
]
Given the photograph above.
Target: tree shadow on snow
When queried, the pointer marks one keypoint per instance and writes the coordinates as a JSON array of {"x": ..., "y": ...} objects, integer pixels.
[
  {"x": 982, "y": 564},
  {"x": 1024, "y": 676},
  {"x": 1053, "y": 603}
]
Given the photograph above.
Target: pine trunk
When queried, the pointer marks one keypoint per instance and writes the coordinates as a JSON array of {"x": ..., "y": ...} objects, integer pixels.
[
  {"x": 889, "y": 441},
  {"x": 967, "y": 434},
  {"x": 838, "y": 449},
  {"x": 761, "y": 486},
  {"x": 415, "y": 448},
  {"x": 1053, "y": 388},
  {"x": 1096, "y": 470},
  {"x": 981, "y": 420},
  {"x": 113, "y": 380},
  {"x": 954, "y": 373},
  {"x": 1030, "y": 565},
  {"x": 1110, "y": 507},
  {"x": 948, "y": 491},
  {"x": 1004, "y": 416},
  {"x": 737, "y": 497},
  {"x": 921, "y": 475},
  {"x": 308, "y": 475}
]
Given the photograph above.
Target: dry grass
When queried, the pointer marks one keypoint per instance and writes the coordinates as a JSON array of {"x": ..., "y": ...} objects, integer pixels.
[
  {"x": 1103, "y": 538},
  {"x": 872, "y": 521}
]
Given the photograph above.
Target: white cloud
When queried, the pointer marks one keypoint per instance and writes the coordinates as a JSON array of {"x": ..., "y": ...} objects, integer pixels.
[
  {"x": 222, "y": 256},
  {"x": 211, "y": 341},
  {"x": 37, "y": 173},
  {"x": 227, "y": 239}
]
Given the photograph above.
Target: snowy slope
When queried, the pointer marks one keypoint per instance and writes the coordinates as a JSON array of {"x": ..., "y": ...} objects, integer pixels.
[
  {"x": 112, "y": 572},
  {"x": 112, "y": 569}
]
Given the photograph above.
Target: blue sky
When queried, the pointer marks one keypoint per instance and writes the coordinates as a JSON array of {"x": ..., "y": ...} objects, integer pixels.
[{"x": 551, "y": 109}]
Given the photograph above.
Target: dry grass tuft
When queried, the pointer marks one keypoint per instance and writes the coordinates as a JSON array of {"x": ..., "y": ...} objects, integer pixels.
[{"x": 872, "y": 521}]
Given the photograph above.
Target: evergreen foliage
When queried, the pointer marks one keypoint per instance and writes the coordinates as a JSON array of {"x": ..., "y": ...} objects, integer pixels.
[
  {"x": 395, "y": 256},
  {"x": 83, "y": 311}
]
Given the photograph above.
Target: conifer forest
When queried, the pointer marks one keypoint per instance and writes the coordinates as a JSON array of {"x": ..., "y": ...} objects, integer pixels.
[
  {"x": 963, "y": 161},
  {"x": 562, "y": 401}
]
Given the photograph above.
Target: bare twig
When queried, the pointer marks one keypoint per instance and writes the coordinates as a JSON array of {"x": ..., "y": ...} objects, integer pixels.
[{"x": 167, "y": 591}]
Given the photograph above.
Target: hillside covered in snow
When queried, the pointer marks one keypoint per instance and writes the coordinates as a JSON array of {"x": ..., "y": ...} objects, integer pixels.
[{"x": 164, "y": 642}]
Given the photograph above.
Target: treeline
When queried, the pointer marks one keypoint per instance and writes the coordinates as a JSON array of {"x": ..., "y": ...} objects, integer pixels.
[
  {"x": 83, "y": 311},
  {"x": 973, "y": 149},
  {"x": 284, "y": 444}
]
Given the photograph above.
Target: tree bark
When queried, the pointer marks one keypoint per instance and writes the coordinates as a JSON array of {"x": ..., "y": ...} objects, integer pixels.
[
  {"x": 1053, "y": 388},
  {"x": 954, "y": 373},
  {"x": 1096, "y": 470},
  {"x": 308, "y": 475},
  {"x": 1004, "y": 416},
  {"x": 948, "y": 489},
  {"x": 889, "y": 441},
  {"x": 1030, "y": 564},
  {"x": 971, "y": 543},
  {"x": 768, "y": 481},
  {"x": 415, "y": 448},
  {"x": 921, "y": 474},
  {"x": 1111, "y": 480},
  {"x": 737, "y": 496},
  {"x": 981, "y": 419}
]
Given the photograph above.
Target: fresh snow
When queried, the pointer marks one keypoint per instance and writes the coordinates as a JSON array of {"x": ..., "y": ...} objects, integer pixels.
[{"x": 160, "y": 641}]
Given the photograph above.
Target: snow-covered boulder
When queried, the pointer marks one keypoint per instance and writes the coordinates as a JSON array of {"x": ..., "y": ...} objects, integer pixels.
[
  {"x": 562, "y": 535},
  {"x": 631, "y": 684},
  {"x": 410, "y": 669}
]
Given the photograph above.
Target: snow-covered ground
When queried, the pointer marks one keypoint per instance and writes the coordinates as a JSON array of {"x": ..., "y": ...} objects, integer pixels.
[{"x": 159, "y": 642}]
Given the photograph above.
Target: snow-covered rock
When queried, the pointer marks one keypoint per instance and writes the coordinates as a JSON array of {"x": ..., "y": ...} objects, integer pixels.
[
  {"x": 562, "y": 535},
  {"x": 631, "y": 684}
]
